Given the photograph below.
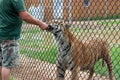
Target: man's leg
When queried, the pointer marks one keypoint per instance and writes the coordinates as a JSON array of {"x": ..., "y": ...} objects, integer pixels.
[
  {"x": 10, "y": 57},
  {"x": 0, "y": 73},
  {"x": 5, "y": 73},
  {"x": 0, "y": 61}
]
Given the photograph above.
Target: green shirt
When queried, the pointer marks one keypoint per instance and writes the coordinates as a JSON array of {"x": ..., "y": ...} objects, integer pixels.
[{"x": 10, "y": 21}]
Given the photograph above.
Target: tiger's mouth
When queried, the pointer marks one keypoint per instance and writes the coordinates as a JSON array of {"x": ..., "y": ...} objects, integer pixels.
[
  {"x": 50, "y": 28},
  {"x": 54, "y": 28}
]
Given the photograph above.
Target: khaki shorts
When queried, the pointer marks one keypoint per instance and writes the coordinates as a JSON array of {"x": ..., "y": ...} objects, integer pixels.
[{"x": 9, "y": 53}]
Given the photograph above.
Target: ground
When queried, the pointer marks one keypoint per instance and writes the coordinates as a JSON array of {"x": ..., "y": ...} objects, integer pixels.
[{"x": 33, "y": 69}]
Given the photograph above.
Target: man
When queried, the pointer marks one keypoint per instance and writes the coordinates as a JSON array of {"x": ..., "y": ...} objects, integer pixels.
[{"x": 12, "y": 12}]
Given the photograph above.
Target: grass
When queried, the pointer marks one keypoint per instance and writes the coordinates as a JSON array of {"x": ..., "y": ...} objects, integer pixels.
[
  {"x": 37, "y": 44},
  {"x": 109, "y": 23},
  {"x": 11, "y": 78},
  {"x": 117, "y": 16},
  {"x": 48, "y": 55}
]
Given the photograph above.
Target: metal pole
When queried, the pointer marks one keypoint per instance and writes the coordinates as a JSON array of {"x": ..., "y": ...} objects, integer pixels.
[
  {"x": 106, "y": 8},
  {"x": 87, "y": 4},
  {"x": 69, "y": 11},
  {"x": 89, "y": 12}
]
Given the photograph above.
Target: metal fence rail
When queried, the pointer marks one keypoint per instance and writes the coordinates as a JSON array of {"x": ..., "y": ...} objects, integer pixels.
[{"x": 88, "y": 18}]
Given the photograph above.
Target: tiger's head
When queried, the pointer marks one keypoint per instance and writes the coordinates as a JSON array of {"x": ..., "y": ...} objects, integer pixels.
[{"x": 59, "y": 28}]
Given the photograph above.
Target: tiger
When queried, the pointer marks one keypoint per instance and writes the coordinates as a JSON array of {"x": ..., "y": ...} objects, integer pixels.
[{"x": 76, "y": 55}]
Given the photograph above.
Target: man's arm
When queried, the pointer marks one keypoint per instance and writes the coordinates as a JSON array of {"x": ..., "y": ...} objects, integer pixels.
[{"x": 30, "y": 19}]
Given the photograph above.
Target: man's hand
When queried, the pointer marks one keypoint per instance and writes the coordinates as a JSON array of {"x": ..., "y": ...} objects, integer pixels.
[{"x": 43, "y": 26}]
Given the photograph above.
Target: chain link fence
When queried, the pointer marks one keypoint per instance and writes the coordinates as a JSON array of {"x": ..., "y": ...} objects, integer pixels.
[{"x": 39, "y": 49}]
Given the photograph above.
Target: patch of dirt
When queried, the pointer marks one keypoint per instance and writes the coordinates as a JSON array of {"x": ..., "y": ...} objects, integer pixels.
[{"x": 33, "y": 69}]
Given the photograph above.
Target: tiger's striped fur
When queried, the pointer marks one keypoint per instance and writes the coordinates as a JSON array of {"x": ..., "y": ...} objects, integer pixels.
[{"x": 76, "y": 55}]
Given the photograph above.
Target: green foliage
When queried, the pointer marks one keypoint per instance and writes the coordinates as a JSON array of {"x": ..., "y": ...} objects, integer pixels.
[
  {"x": 117, "y": 16},
  {"x": 11, "y": 78},
  {"x": 49, "y": 55},
  {"x": 109, "y": 24}
]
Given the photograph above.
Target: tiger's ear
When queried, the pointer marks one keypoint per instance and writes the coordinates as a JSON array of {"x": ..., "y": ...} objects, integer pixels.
[{"x": 68, "y": 26}]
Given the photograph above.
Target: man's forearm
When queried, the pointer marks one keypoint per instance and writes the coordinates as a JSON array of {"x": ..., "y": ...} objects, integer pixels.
[{"x": 30, "y": 19}]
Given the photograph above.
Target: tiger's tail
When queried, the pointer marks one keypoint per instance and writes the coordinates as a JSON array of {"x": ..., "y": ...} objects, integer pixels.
[
  {"x": 103, "y": 63},
  {"x": 107, "y": 59}
]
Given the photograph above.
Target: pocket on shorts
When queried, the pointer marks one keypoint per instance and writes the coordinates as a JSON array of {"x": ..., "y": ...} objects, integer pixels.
[{"x": 10, "y": 53}]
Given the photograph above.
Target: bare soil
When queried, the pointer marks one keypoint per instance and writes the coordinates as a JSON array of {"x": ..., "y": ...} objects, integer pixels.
[{"x": 33, "y": 69}]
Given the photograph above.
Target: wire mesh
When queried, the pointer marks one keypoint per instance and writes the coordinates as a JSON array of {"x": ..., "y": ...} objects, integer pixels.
[{"x": 88, "y": 18}]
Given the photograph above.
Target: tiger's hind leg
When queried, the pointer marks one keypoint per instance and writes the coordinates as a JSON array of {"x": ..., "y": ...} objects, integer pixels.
[
  {"x": 91, "y": 73},
  {"x": 75, "y": 72},
  {"x": 106, "y": 56},
  {"x": 109, "y": 65}
]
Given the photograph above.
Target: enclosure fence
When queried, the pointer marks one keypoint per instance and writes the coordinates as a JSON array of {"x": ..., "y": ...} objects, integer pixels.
[{"x": 88, "y": 18}]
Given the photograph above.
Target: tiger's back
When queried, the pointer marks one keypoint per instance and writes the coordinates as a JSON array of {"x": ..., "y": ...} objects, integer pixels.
[{"x": 92, "y": 51}]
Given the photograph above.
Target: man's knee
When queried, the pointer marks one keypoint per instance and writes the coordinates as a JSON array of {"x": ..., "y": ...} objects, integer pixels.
[{"x": 6, "y": 73}]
